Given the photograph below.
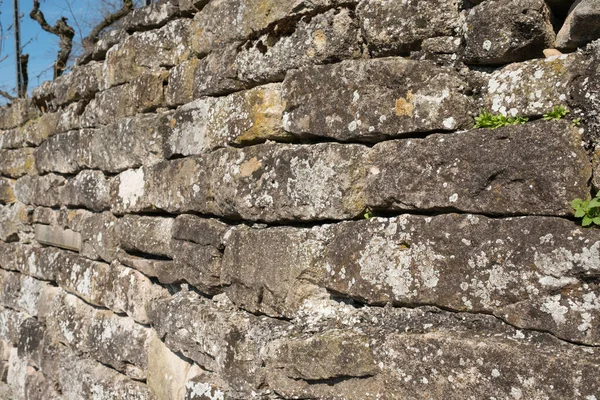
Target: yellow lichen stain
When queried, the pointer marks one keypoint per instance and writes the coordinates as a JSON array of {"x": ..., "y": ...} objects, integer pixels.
[
  {"x": 266, "y": 109},
  {"x": 319, "y": 40},
  {"x": 405, "y": 106},
  {"x": 249, "y": 167}
]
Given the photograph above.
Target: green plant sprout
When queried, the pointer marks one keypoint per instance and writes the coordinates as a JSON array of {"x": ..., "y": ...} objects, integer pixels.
[
  {"x": 589, "y": 210},
  {"x": 368, "y": 213},
  {"x": 489, "y": 120},
  {"x": 558, "y": 112},
  {"x": 576, "y": 121}
]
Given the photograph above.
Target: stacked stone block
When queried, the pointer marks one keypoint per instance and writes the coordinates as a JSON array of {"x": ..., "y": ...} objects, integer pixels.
[{"x": 287, "y": 199}]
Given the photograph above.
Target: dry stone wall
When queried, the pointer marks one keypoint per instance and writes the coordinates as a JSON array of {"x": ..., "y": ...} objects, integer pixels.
[{"x": 286, "y": 199}]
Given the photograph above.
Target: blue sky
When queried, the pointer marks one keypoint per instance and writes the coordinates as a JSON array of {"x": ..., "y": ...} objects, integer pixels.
[{"x": 41, "y": 46}]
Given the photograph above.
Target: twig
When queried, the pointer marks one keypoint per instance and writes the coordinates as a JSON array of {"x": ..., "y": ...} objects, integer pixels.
[
  {"x": 60, "y": 29},
  {"x": 106, "y": 22},
  {"x": 7, "y": 95}
]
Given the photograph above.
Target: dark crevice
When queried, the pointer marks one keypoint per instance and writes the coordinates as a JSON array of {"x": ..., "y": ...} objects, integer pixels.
[
  {"x": 104, "y": 364},
  {"x": 147, "y": 256},
  {"x": 286, "y": 26},
  {"x": 415, "y": 305},
  {"x": 334, "y": 380}
]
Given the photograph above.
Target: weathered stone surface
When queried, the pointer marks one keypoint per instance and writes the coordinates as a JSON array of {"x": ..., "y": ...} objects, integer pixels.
[
  {"x": 147, "y": 51},
  {"x": 89, "y": 189},
  {"x": 130, "y": 143},
  {"x": 70, "y": 117},
  {"x": 442, "y": 45},
  {"x": 572, "y": 313},
  {"x": 167, "y": 372},
  {"x": 205, "y": 386},
  {"x": 500, "y": 32},
  {"x": 33, "y": 133},
  {"x": 10, "y": 323},
  {"x": 99, "y": 237},
  {"x": 140, "y": 95},
  {"x": 16, "y": 163},
  {"x": 149, "y": 235},
  {"x": 21, "y": 292},
  {"x": 221, "y": 22},
  {"x": 263, "y": 273},
  {"x": 31, "y": 341},
  {"x": 217, "y": 337},
  {"x": 534, "y": 87},
  {"x": 54, "y": 236},
  {"x": 172, "y": 186},
  {"x": 132, "y": 292},
  {"x": 374, "y": 99},
  {"x": 533, "y": 169},
  {"x": 397, "y": 28},
  {"x": 16, "y": 113},
  {"x": 39, "y": 129},
  {"x": 415, "y": 260},
  {"x": 241, "y": 118},
  {"x": 198, "y": 265},
  {"x": 182, "y": 82},
  {"x": 273, "y": 182},
  {"x": 82, "y": 83},
  {"x": 80, "y": 378},
  {"x": 40, "y": 190},
  {"x": 17, "y": 372},
  {"x": 192, "y": 6},
  {"x": 156, "y": 15},
  {"x": 203, "y": 231},
  {"x": 106, "y": 40},
  {"x": 45, "y": 215},
  {"x": 89, "y": 280},
  {"x": 584, "y": 95},
  {"x": 14, "y": 222},
  {"x": 97, "y": 333},
  {"x": 37, "y": 262},
  {"x": 331, "y": 36},
  {"x": 198, "y": 246},
  {"x": 163, "y": 270},
  {"x": 114, "y": 286},
  {"x": 7, "y": 191},
  {"x": 65, "y": 153},
  {"x": 581, "y": 26},
  {"x": 37, "y": 386},
  {"x": 596, "y": 176},
  {"x": 216, "y": 74},
  {"x": 432, "y": 365}
]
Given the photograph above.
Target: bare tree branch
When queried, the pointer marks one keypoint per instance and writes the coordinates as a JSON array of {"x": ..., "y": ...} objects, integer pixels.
[
  {"x": 60, "y": 29},
  {"x": 106, "y": 22},
  {"x": 7, "y": 95}
]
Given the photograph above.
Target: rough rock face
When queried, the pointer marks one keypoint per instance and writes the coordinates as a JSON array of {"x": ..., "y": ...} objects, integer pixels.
[
  {"x": 498, "y": 171},
  {"x": 397, "y": 28},
  {"x": 500, "y": 32},
  {"x": 241, "y": 118},
  {"x": 287, "y": 199},
  {"x": 581, "y": 26},
  {"x": 374, "y": 99}
]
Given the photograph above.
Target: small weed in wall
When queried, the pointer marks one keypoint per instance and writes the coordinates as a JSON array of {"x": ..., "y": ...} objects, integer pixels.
[
  {"x": 493, "y": 121},
  {"x": 588, "y": 210},
  {"x": 558, "y": 112}
]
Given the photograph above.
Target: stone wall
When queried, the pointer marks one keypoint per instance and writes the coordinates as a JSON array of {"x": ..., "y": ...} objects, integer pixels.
[{"x": 286, "y": 199}]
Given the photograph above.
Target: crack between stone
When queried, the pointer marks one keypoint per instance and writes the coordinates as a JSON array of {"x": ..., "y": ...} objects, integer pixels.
[{"x": 458, "y": 312}]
